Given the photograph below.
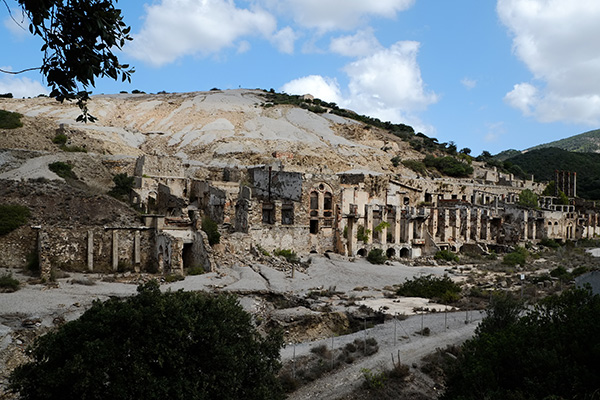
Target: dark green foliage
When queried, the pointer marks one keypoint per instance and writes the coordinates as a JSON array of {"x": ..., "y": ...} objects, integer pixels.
[
  {"x": 6, "y": 95},
  {"x": 8, "y": 283},
  {"x": 60, "y": 139},
  {"x": 449, "y": 166},
  {"x": 79, "y": 37},
  {"x": 123, "y": 185},
  {"x": 551, "y": 243},
  {"x": 416, "y": 166},
  {"x": 396, "y": 160},
  {"x": 196, "y": 270},
  {"x": 376, "y": 256},
  {"x": 12, "y": 216},
  {"x": 172, "y": 345},
  {"x": 431, "y": 287},
  {"x": 64, "y": 170},
  {"x": 362, "y": 234},
  {"x": 586, "y": 142},
  {"x": 528, "y": 199},
  {"x": 517, "y": 257},
  {"x": 289, "y": 255},
  {"x": 549, "y": 351},
  {"x": 446, "y": 255},
  {"x": 561, "y": 273},
  {"x": 10, "y": 120},
  {"x": 212, "y": 230},
  {"x": 543, "y": 162}
]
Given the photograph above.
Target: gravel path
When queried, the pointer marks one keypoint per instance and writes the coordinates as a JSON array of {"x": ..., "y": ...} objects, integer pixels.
[{"x": 393, "y": 337}]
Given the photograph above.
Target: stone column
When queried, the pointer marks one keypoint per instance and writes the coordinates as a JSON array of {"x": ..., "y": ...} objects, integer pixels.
[
  {"x": 90, "y": 251},
  {"x": 115, "y": 250},
  {"x": 488, "y": 225},
  {"x": 384, "y": 217},
  {"x": 525, "y": 224},
  {"x": 410, "y": 228},
  {"x": 351, "y": 237},
  {"x": 137, "y": 253},
  {"x": 446, "y": 229},
  {"x": 477, "y": 225}
]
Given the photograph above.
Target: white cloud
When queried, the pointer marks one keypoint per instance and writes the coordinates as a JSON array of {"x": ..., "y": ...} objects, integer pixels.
[
  {"x": 556, "y": 41},
  {"x": 494, "y": 131},
  {"x": 18, "y": 24},
  {"x": 468, "y": 83},
  {"x": 322, "y": 88},
  {"x": 243, "y": 47},
  {"x": 363, "y": 43},
  {"x": 389, "y": 79},
  {"x": 21, "y": 86},
  {"x": 284, "y": 40},
  {"x": 333, "y": 15},
  {"x": 176, "y": 28},
  {"x": 386, "y": 85}
]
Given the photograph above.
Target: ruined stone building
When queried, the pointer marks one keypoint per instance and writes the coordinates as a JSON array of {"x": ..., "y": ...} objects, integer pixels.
[{"x": 348, "y": 213}]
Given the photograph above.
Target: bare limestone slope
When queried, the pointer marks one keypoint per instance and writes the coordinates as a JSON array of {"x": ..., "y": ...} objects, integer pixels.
[{"x": 217, "y": 128}]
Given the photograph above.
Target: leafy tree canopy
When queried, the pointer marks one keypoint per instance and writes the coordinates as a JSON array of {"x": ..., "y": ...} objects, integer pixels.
[
  {"x": 550, "y": 351},
  {"x": 79, "y": 39},
  {"x": 173, "y": 345},
  {"x": 528, "y": 199}
]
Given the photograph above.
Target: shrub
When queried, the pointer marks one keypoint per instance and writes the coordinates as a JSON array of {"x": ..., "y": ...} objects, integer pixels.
[
  {"x": 289, "y": 255},
  {"x": 431, "y": 287},
  {"x": 170, "y": 278},
  {"x": 212, "y": 230},
  {"x": 517, "y": 257},
  {"x": 10, "y": 120},
  {"x": 396, "y": 160},
  {"x": 374, "y": 380},
  {"x": 62, "y": 169},
  {"x": 551, "y": 243},
  {"x": 446, "y": 255},
  {"x": 173, "y": 345},
  {"x": 12, "y": 216},
  {"x": 60, "y": 139},
  {"x": 416, "y": 166},
  {"x": 376, "y": 256},
  {"x": 8, "y": 283},
  {"x": 528, "y": 199},
  {"x": 449, "y": 166},
  {"x": 196, "y": 270},
  {"x": 362, "y": 234},
  {"x": 123, "y": 186}
]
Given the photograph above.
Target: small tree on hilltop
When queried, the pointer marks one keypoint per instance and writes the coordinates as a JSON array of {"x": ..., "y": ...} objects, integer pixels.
[
  {"x": 173, "y": 345},
  {"x": 528, "y": 199}
]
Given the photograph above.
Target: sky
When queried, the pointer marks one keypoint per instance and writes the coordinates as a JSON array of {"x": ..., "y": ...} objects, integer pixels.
[{"x": 487, "y": 75}]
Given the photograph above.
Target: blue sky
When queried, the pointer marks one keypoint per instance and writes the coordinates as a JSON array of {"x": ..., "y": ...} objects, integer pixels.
[{"x": 488, "y": 75}]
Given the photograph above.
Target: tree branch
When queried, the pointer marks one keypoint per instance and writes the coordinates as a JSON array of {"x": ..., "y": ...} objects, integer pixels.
[
  {"x": 19, "y": 72},
  {"x": 11, "y": 16}
]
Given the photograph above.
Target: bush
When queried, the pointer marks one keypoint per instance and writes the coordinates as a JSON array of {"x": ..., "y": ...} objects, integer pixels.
[
  {"x": 431, "y": 287},
  {"x": 449, "y": 166},
  {"x": 172, "y": 345},
  {"x": 8, "y": 283},
  {"x": 12, "y": 216},
  {"x": 289, "y": 255},
  {"x": 396, "y": 160},
  {"x": 528, "y": 199},
  {"x": 551, "y": 243},
  {"x": 60, "y": 139},
  {"x": 446, "y": 255},
  {"x": 517, "y": 257},
  {"x": 212, "y": 230},
  {"x": 10, "y": 120},
  {"x": 196, "y": 270},
  {"x": 376, "y": 256},
  {"x": 416, "y": 166},
  {"x": 64, "y": 170},
  {"x": 549, "y": 351},
  {"x": 362, "y": 234},
  {"x": 123, "y": 186}
]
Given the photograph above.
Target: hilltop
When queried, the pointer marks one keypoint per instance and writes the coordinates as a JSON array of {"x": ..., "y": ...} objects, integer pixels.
[{"x": 587, "y": 142}]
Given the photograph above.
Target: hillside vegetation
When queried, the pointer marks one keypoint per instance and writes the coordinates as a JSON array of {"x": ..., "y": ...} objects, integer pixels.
[
  {"x": 543, "y": 162},
  {"x": 587, "y": 142}
]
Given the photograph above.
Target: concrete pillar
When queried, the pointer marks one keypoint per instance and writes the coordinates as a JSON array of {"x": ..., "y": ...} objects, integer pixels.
[
  {"x": 115, "y": 250},
  {"x": 398, "y": 225},
  {"x": 90, "y": 251},
  {"x": 137, "y": 252},
  {"x": 410, "y": 229},
  {"x": 525, "y": 225},
  {"x": 488, "y": 225},
  {"x": 467, "y": 227},
  {"x": 533, "y": 229},
  {"x": 477, "y": 225},
  {"x": 384, "y": 215},
  {"x": 351, "y": 236},
  {"x": 446, "y": 229},
  {"x": 433, "y": 221}
]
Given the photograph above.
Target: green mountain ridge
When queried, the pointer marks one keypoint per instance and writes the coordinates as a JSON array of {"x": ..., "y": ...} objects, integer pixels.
[{"x": 587, "y": 142}]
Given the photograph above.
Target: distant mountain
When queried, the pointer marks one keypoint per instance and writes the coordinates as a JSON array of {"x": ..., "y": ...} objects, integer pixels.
[
  {"x": 588, "y": 142},
  {"x": 506, "y": 154},
  {"x": 543, "y": 162}
]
